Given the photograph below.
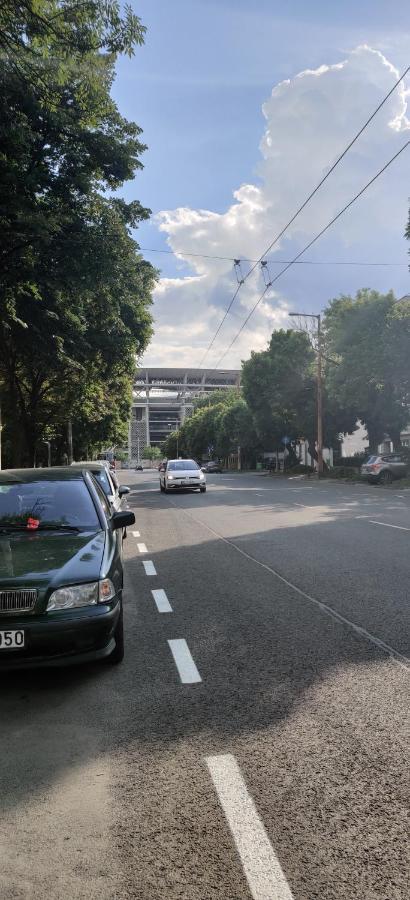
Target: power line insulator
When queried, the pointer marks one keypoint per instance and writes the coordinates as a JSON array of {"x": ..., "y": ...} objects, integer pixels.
[
  {"x": 238, "y": 271},
  {"x": 266, "y": 273}
]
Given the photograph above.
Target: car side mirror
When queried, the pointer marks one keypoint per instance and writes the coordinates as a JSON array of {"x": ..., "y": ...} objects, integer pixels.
[
  {"x": 122, "y": 490},
  {"x": 122, "y": 519}
]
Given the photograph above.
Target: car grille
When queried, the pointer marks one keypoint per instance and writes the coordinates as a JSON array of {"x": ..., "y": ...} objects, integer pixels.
[{"x": 17, "y": 601}]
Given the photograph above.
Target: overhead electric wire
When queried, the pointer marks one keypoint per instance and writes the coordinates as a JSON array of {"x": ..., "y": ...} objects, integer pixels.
[
  {"x": 310, "y": 244},
  {"x": 304, "y": 204},
  {"x": 332, "y": 168},
  {"x": 273, "y": 262}
]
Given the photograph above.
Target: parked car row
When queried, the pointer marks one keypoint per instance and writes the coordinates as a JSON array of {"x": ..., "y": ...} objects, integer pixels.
[{"x": 61, "y": 565}]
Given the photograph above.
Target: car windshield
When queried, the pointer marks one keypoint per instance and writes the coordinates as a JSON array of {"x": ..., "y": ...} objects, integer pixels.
[
  {"x": 47, "y": 504},
  {"x": 371, "y": 459},
  {"x": 181, "y": 465}
]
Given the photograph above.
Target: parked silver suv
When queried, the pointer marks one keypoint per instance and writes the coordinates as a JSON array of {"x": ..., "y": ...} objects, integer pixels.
[{"x": 384, "y": 469}]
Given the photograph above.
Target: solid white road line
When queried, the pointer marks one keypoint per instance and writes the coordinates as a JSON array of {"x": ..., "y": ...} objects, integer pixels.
[
  {"x": 399, "y": 658},
  {"x": 261, "y": 866},
  {"x": 142, "y": 548},
  {"x": 187, "y": 669},
  {"x": 149, "y": 567},
  {"x": 161, "y": 600},
  {"x": 135, "y": 534},
  {"x": 387, "y": 525}
]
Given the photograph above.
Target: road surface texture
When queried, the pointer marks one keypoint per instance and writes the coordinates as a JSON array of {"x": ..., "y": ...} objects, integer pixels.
[{"x": 255, "y": 741}]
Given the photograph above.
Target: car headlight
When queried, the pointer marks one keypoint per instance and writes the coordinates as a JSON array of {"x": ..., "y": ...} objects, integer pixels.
[
  {"x": 77, "y": 595},
  {"x": 170, "y": 477},
  {"x": 202, "y": 476}
]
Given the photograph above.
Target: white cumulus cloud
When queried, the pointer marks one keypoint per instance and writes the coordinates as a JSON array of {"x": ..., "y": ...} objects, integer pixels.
[{"x": 309, "y": 120}]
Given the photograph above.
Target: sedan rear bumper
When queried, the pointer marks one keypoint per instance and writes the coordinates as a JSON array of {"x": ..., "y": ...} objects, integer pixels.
[{"x": 61, "y": 639}]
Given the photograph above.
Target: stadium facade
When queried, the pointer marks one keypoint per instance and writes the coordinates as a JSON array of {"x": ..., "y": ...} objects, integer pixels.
[{"x": 163, "y": 398}]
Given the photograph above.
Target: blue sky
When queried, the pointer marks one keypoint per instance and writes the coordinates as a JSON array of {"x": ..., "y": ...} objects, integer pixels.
[{"x": 197, "y": 88}]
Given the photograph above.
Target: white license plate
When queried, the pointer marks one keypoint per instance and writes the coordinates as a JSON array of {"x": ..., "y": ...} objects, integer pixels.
[{"x": 11, "y": 640}]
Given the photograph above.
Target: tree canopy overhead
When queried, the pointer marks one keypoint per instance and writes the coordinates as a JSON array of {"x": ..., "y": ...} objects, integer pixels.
[{"x": 74, "y": 291}]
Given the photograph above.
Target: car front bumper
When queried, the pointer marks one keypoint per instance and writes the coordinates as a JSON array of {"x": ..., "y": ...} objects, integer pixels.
[
  {"x": 170, "y": 486},
  {"x": 62, "y": 639}
]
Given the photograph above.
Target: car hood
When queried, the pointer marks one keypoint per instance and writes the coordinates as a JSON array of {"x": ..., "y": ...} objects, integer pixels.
[{"x": 44, "y": 558}]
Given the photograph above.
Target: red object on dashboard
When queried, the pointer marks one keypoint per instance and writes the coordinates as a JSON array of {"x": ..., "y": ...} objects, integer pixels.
[{"x": 32, "y": 524}]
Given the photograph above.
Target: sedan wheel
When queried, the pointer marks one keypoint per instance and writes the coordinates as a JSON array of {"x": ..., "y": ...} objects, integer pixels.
[
  {"x": 202, "y": 489},
  {"x": 386, "y": 477}
]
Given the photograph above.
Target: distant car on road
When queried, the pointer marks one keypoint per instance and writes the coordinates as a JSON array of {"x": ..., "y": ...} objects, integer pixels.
[
  {"x": 139, "y": 468},
  {"x": 384, "y": 469},
  {"x": 212, "y": 466},
  {"x": 182, "y": 473},
  {"x": 61, "y": 569}
]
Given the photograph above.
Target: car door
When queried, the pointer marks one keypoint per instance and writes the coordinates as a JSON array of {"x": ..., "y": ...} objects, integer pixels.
[{"x": 398, "y": 466}]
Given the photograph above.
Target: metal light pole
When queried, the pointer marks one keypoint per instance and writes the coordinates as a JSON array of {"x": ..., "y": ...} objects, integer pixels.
[
  {"x": 48, "y": 452},
  {"x": 319, "y": 439},
  {"x": 176, "y": 423},
  {"x": 70, "y": 441}
]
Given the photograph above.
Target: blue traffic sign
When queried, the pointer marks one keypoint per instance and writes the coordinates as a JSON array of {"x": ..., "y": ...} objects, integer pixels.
[{"x": 286, "y": 440}]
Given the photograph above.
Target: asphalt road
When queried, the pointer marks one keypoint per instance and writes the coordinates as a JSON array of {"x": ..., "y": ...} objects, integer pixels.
[{"x": 255, "y": 741}]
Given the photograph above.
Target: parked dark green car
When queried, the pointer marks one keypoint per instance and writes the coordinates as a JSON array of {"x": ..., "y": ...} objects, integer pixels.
[{"x": 61, "y": 570}]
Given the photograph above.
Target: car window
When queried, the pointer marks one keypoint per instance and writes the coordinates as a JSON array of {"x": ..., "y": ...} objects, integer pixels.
[
  {"x": 372, "y": 459},
  {"x": 102, "y": 498},
  {"x": 47, "y": 503},
  {"x": 113, "y": 478},
  {"x": 181, "y": 465},
  {"x": 102, "y": 478}
]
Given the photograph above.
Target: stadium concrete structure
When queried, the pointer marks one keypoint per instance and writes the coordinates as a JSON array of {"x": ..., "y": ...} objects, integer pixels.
[{"x": 163, "y": 398}]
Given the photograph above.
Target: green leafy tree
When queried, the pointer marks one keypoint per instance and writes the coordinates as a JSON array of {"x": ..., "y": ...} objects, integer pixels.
[
  {"x": 236, "y": 428},
  {"x": 74, "y": 292},
  {"x": 369, "y": 335},
  {"x": 280, "y": 388},
  {"x": 152, "y": 453}
]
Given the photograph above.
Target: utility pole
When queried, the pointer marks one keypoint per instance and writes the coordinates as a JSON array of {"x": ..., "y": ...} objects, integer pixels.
[
  {"x": 70, "y": 441},
  {"x": 319, "y": 400},
  {"x": 319, "y": 438}
]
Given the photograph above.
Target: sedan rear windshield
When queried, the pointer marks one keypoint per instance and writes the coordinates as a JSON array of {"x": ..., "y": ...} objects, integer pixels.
[
  {"x": 46, "y": 504},
  {"x": 182, "y": 465},
  {"x": 371, "y": 459}
]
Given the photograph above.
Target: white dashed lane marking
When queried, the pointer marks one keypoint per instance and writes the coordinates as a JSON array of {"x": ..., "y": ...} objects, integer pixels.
[
  {"x": 161, "y": 600},
  {"x": 149, "y": 567},
  {"x": 184, "y": 662},
  {"x": 261, "y": 866},
  {"x": 387, "y": 525},
  {"x": 135, "y": 534},
  {"x": 142, "y": 548}
]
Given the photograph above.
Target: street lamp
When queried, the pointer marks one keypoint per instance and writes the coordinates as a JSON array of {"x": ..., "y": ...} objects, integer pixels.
[
  {"x": 176, "y": 423},
  {"x": 319, "y": 440},
  {"x": 48, "y": 452}
]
